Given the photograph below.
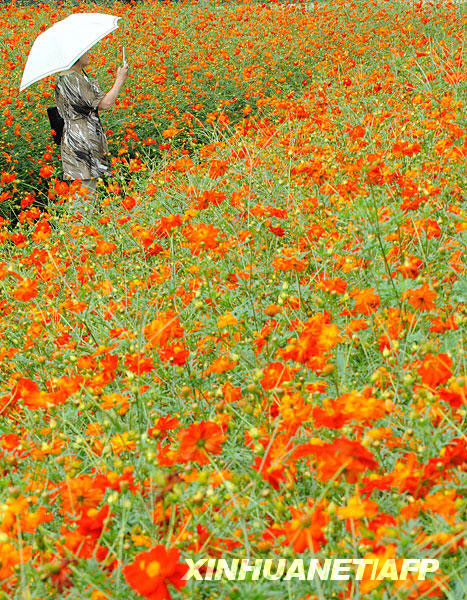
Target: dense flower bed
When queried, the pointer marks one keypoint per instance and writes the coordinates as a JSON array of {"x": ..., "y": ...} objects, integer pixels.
[{"x": 256, "y": 350}]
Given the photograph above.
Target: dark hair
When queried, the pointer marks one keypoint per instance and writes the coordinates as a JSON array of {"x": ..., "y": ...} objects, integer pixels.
[{"x": 79, "y": 58}]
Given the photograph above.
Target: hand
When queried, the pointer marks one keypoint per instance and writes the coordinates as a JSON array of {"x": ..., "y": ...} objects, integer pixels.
[{"x": 122, "y": 73}]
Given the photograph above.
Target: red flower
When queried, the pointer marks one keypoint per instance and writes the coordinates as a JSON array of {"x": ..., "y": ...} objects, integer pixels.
[
  {"x": 435, "y": 370},
  {"x": 26, "y": 290},
  {"x": 201, "y": 237},
  {"x": 366, "y": 301},
  {"x": 176, "y": 353},
  {"x": 421, "y": 298},
  {"x": 270, "y": 470},
  {"x": 166, "y": 224},
  {"x": 29, "y": 392},
  {"x": 357, "y": 132},
  {"x": 46, "y": 171},
  {"x": 305, "y": 530},
  {"x": 103, "y": 247},
  {"x": 375, "y": 175},
  {"x": 41, "y": 232},
  {"x": 139, "y": 363},
  {"x": 210, "y": 197},
  {"x": 92, "y": 522},
  {"x": 411, "y": 267},
  {"x": 162, "y": 425},
  {"x": 199, "y": 439},
  {"x": 440, "y": 325},
  {"x": 128, "y": 202},
  {"x": 341, "y": 453},
  {"x": 151, "y": 572},
  {"x": 218, "y": 168},
  {"x": 60, "y": 575},
  {"x": 274, "y": 375},
  {"x": 279, "y": 231}
]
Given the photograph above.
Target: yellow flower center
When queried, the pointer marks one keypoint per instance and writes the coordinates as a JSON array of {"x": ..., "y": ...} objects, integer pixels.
[{"x": 153, "y": 568}]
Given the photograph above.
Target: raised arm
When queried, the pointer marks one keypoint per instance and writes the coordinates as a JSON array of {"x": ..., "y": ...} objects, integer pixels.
[{"x": 109, "y": 99}]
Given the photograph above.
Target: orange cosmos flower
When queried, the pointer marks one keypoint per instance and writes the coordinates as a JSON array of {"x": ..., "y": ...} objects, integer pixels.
[
  {"x": 117, "y": 401},
  {"x": 226, "y": 319},
  {"x": 279, "y": 231},
  {"x": 262, "y": 337},
  {"x": 170, "y": 132},
  {"x": 139, "y": 363},
  {"x": 455, "y": 395},
  {"x": 210, "y": 197},
  {"x": 429, "y": 226},
  {"x": 198, "y": 440},
  {"x": 375, "y": 174},
  {"x": 366, "y": 301},
  {"x": 355, "y": 325},
  {"x": 333, "y": 286},
  {"x": 165, "y": 325},
  {"x": 275, "y": 374},
  {"x": 305, "y": 530},
  {"x": 317, "y": 337},
  {"x": 92, "y": 521},
  {"x": 128, "y": 202},
  {"x": 218, "y": 168},
  {"x": 435, "y": 370},
  {"x": 151, "y": 572},
  {"x": 41, "y": 232},
  {"x": 288, "y": 261},
  {"x": 342, "y": 452},
  {"x": 220, "y": 365},
  {"x": 121, "y": 443},
  {"x": 103, "y": 247},
  {"x": 363, "y": 406},
  {"x": 163, "y": 425},
  {"x": 411, "y": 267},
  {"x": 26, "y": 290},
  {"x": 6, "y": 178},
  {"x": 10, "y": 558},
  {"x": 357, "y": 508},
  {"x": 29, "y": 392},
  {"x": 166, "y": 224},
  {"x": 201, "y": 237},
  {"x": 440, "y": 325},
  {"x": 443, "y": 503},
  {"x": 82, "y": 493},
  {"x": 230, "y": 392},
  {"x": 271, "y": 470},
  {"x": 422, "y": 298},
  {"x": 61, "y": 188},
  {"x": 271, "y": 310},
  {"x": 135, "y": 165},
  {"x": 176, "y": 353},
  {"x": 383, "y": 553},
  {"x": 357, "y": 132},
  {"x": 46, "y": 171}
]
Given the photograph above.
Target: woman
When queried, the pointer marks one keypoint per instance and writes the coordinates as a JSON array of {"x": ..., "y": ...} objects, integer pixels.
[{"x": 84, "y": 150}]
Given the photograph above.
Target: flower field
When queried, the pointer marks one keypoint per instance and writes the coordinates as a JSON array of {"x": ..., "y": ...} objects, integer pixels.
[{"x": 256, "y": 349}]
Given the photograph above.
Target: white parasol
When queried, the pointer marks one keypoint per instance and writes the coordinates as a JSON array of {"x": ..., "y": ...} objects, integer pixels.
[{"x": 60, "y": 46}]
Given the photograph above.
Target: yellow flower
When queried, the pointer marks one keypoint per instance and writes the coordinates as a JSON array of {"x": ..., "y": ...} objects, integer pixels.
[{"x": 227, "y": 319}]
